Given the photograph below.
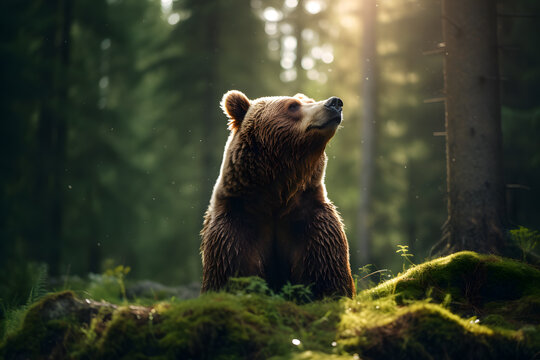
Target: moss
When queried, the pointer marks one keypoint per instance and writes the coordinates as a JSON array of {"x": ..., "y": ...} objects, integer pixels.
[
  {"x": 471, "y": 280},
  {"x": 252, "y": 326},
  {"x": 46, "y": 332},
  {"x": 128, "y": 335},
  {"x": 426, "y": 331},
  {"x": 396, "y": 320},
  {"x": 318, "y": 355},
  {"x": 219, "y": 329},
  {"x": 524, "y": 310}
]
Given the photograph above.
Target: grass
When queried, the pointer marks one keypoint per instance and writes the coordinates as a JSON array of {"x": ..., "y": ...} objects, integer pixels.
[{"x": 458, "y": 307}]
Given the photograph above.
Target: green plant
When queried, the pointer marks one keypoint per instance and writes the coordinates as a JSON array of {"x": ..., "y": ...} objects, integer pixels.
[
  {"x": 297, "y": 293},
  {"x": 248, "y": 285},
  {"x": 39, "y": 286},
  {"x": 365, "y": 279},
  {"x": 526, "y": 239},
  {"x": 13, "y": 316},
  {"x": 406, "y": 255},
  {"x": 118, "y": 273}
]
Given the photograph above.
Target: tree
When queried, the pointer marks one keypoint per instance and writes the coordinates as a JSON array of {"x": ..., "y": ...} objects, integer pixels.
[
  {"x": 476, "y": 203},
  {"x": 369, "y": 127},
  {"x": 519, "y": 60}
]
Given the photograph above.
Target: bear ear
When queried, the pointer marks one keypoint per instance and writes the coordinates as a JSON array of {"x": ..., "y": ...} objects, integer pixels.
[
  {"x": 235, "y": 105},
  {"x": 304, "y": 98}
]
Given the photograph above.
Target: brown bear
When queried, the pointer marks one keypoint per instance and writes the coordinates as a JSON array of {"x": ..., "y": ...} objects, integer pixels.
[{"x": 269, "y": 215}]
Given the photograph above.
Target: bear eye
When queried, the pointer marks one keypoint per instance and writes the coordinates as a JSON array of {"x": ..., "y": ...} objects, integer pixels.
[{"x": 294, "y": 106}]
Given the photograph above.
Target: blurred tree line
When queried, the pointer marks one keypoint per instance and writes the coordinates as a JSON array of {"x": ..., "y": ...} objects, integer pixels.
[{"x": 112, "y": 133}]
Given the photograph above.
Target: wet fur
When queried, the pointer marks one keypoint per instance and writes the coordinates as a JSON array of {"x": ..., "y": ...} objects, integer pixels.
[{"x": 269, "y": 215}]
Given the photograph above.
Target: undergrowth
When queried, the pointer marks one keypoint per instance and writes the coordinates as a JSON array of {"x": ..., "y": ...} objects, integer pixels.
[
  {"x": 461, "y": 306},
  {"x": 11, "y": 315},
  {"x": 526, "y": 239}
]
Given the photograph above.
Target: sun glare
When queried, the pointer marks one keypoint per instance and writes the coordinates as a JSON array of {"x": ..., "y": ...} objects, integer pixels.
[
  {"x": 173, "y": 19},
  {"x": 291, "y": 3},
  {"x": 284, "y": 34},
  {"x": 272, "y": 14},
  {"x": 166, "y": 6},
  {"x": 314, "y": 6}
]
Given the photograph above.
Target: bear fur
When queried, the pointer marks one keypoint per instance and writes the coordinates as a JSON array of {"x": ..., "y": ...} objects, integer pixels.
[{"x": 269, "y": 215}]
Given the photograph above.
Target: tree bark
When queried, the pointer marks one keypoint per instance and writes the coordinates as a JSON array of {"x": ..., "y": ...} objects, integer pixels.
[
  {"x": 368, "y": 129},
  {"x": 476, "y": 202},
  {"x": 52, "y": 130}
]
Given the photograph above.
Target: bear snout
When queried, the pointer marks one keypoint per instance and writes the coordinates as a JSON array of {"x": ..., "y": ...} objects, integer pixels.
[{"x": 334, "y": 103}]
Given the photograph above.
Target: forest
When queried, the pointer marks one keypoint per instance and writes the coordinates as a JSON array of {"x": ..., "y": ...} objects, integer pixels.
[{"x": 113, "y": 135}]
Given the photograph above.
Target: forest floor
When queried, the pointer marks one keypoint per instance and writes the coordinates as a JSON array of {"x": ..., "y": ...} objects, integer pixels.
[{"x": 463, "y": 306}]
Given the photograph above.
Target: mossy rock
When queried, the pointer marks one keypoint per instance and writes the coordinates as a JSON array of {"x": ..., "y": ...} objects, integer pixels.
[
  {"x": 428, "y": 331},
  {"x": 52, "y": 327},
  {"x": 471, "y": 280}
]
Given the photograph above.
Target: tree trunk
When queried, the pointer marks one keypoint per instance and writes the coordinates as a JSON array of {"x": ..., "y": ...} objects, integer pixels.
[
  {"x": 368, "y": 130},
  {"x": 411, "y": 210},
  {"x": 52, "y": 137},
  {"x": 476, "y": 203}
]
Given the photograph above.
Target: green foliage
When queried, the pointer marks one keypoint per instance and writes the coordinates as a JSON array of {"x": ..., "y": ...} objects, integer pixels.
[
  {"x": 12, "y": 315},
  {"x": 526, "y": 239},
  {"x": 366, "y": 281},
  {"x": 248, "y": 285},
  {"x": 403, "y": 251},
  {"x": 39, "y": 288},
  {"x": 297, "y": 293},
  {"x": 104, "y": 287},
  {"x": 118, "y": 273}
]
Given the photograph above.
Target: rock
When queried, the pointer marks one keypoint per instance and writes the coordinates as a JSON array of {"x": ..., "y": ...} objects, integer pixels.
[{"x": 154, "y": 290}]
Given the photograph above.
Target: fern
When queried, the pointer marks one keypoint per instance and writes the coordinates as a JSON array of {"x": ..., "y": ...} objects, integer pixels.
[
  {"x": 297, "y": 293},
  {"x": 39, "y": 286},
  {"x": 12, "y": 317},
  {"x": 526, "y": 239}
]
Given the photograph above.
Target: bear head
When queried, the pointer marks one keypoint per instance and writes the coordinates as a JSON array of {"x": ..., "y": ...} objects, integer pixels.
[
  {"x": 283, "y": 121},
  {"x": 278, "y": 140}
]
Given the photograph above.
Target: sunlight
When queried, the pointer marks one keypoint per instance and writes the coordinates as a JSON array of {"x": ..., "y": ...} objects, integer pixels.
[
  {"x": 105, "y": 44},
  {"x": 104, "y": 82},
  {"x": 312, "y": 74},
  {"x": 288, "y": 75},
  {"x": 314, "y": 6},
  {"x": 286, "y": 28},
  {"x": 387, "y": 47},
  {"x": 317, "y": 52},
  {"x": 309, "y": 35},
  {"x": 281, "y": 27},
  {"x": 289, "y": 42},
  {"x": 173, "y": 19},
  {"x": 307, "y": 63},
  {"x": 287, "y": 62},
  {"x": 271, "y": 14},
  {"x": 327, "y": 54},
  {"x": 270, "y": 28},
  {"x": 291, "y": 3},
  {"x": 166, "y": 6}
]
